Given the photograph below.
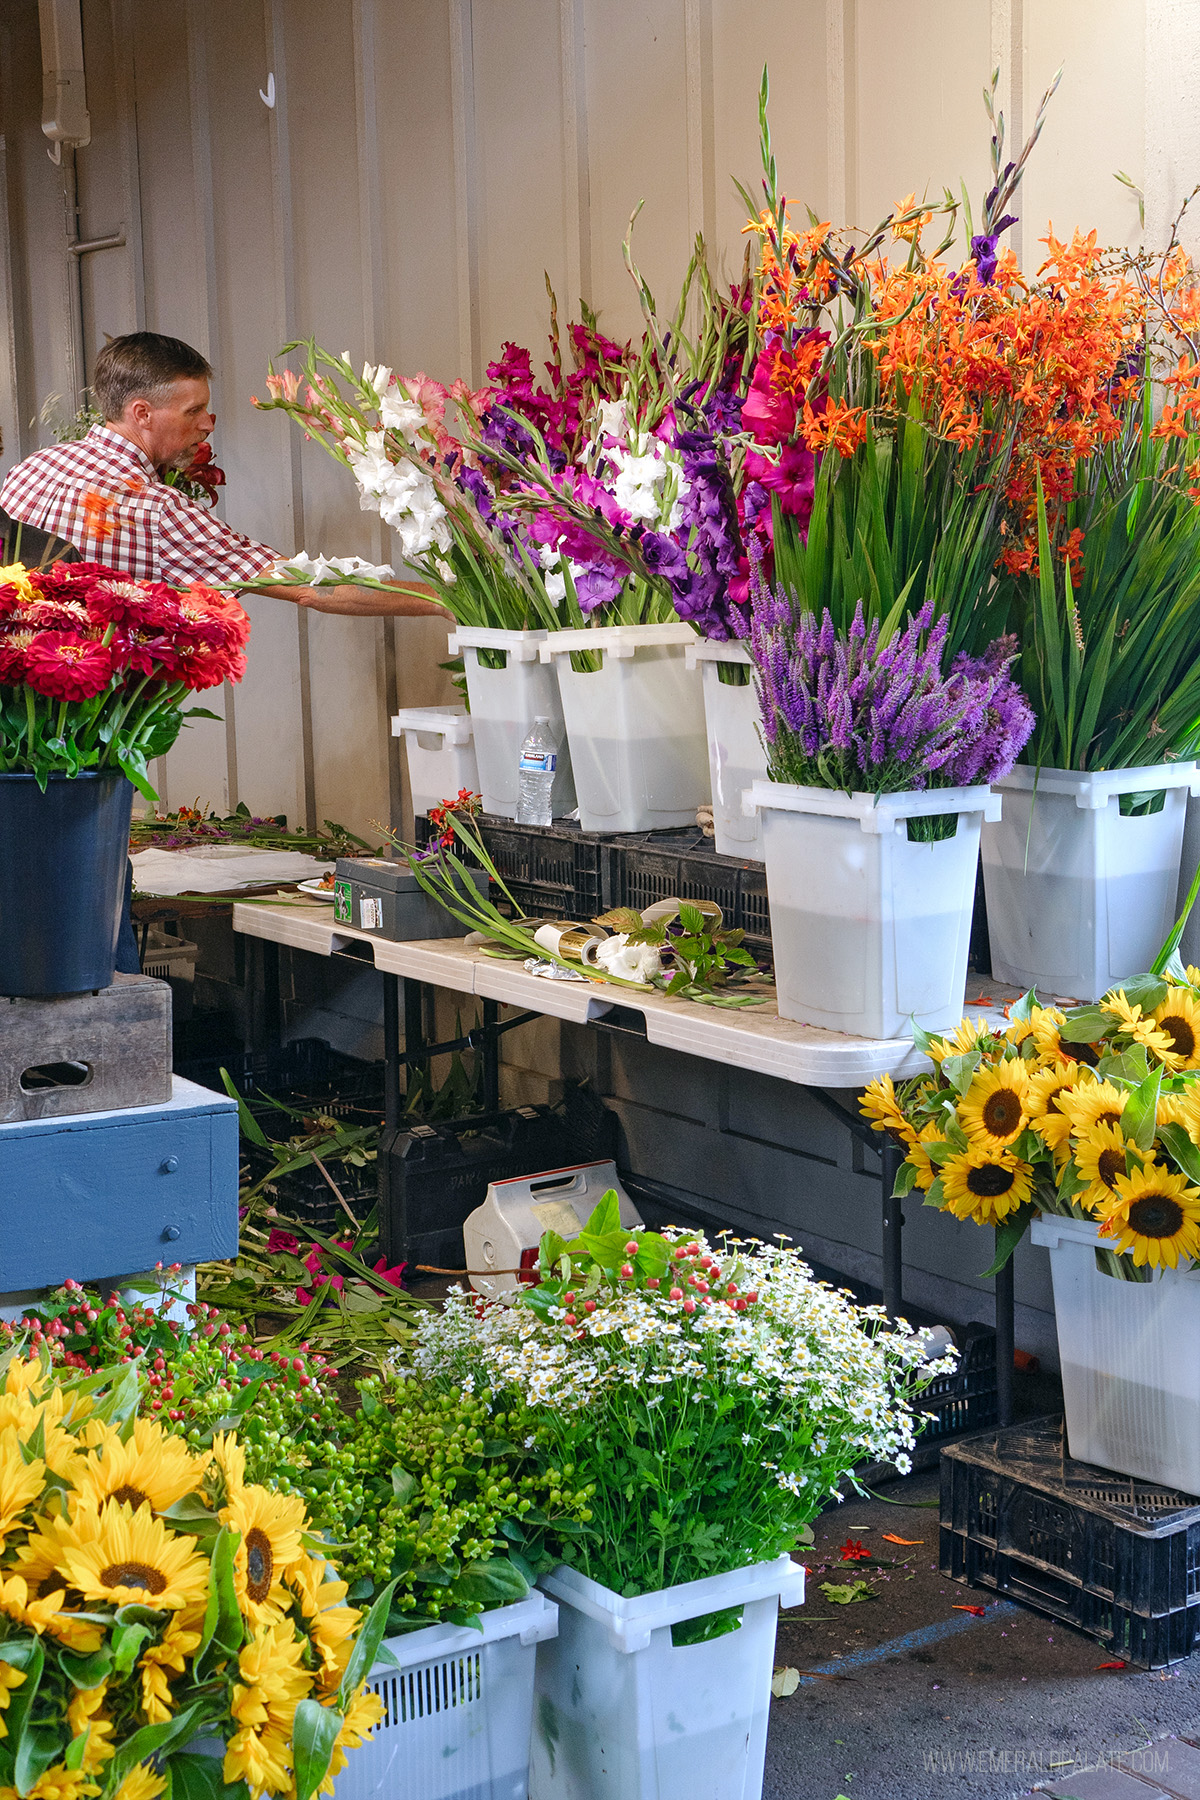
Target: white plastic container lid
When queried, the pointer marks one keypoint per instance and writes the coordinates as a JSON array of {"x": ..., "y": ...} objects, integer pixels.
[{"x": 452, "y": 722}]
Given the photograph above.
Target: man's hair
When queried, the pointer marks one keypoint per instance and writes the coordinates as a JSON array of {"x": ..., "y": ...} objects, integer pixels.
[{"x": 143, "y": 365}]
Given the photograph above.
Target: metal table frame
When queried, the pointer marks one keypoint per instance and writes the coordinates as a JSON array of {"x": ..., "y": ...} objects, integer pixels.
[{"x": 409, "y": 970}]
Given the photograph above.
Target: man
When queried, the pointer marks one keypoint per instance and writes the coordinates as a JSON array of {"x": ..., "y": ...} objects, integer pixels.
[{"x": 106, "y": 494}]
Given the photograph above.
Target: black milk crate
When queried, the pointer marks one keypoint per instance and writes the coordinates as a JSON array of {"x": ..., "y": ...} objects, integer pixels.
[
  {"x": 307, "y": 1074},
  {"x": 661, "y": 865},
  {"x": 305, "y": 1197},
  {"x": 967, "y": 1400},
  {"x": 551, "y": 871},
  {"x": 432, "y": 1176},
  {"x": 1115, "y": 1557}
]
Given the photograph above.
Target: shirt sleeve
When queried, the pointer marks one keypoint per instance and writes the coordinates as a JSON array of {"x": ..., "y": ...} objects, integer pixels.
[{"x": 195, "y": 546}]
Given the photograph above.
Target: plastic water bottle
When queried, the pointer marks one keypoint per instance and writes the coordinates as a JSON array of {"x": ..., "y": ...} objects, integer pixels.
[{"x": 539, "y": 760}]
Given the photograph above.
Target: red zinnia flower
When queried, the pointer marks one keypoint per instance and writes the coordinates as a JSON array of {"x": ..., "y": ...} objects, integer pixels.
[
  {"x": 14, "y": 647},
  {"x": 144, "y": 605},
  {"x": 66, "y": 666}
]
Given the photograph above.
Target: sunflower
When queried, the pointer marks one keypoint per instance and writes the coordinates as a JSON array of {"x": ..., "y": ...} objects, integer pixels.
[
  {"x": 919, "y": 1157},
  {"x": 362, "y": 1715},
  {"x": 83, "y": 1714},
  {"x": 153, "y": 1469},
  {"x": 1156, "y": 1214},
  {"x": 985, "y": 1185},
  {"x": 992, "y": 1112},
  {"x": 158, "y": 1663},
  {"x": 1042, "y": 1102},
  {"x": 1133, "y": 1023},
  {"x": 272, "y": 1677},
  {"x": 230, "y": 1459},
  {"x": 1017, "y": 1031},
  {"x": 1047, "y": 1023},
  {"x": 10, "y": 1678},
  {"x": 270, "y": 1526},
  {"x": 17, "y": 1602},
  {"x": 1093, "y": 1103},
  {"x": 1178, "y": 1018},
  {"x": 38, "y": 1561},
  {"x": 261, "y": 1759},
  {"x": 966, "y": 1038},
  {"x": 141, "y": 1783},
  {"x": 1100, "y": 1156},
  {"x": 880, "y": 1105},
  {"x": 21, "y": 1482},
  {"x": 60, "y": 1783},
  {"x": 330, "y": 1624},
  {"x": 118, "y": 1556}
]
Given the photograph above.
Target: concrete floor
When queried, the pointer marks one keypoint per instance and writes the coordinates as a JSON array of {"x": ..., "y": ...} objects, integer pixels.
[{"x": 913, "y": 1700}]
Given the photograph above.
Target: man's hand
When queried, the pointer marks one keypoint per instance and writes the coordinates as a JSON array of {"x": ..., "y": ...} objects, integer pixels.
[{"x": 366, "y": 602}]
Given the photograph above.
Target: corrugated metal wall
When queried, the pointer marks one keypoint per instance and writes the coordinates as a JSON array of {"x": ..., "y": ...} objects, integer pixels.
[{"x": 424, "y": 163}]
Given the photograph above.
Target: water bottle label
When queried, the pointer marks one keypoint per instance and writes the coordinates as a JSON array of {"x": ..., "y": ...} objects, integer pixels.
[{"x": 540, "y": 762}]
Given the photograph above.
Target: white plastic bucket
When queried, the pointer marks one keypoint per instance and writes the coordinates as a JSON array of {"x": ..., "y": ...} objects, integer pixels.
[
  {"x": 639, "y": 749},
  {"x": 868, "y": 930},
  {"x": 1079, "y": 897},
  {"x": 457, "y": 1712},
  {"x": 736, "y": 758},
  {"x": 439, "y": 741},
  {"x": 1130, "y": 1375},
  {"x": 622, "y": 1711},
  {"x": 504, "y": 705}
]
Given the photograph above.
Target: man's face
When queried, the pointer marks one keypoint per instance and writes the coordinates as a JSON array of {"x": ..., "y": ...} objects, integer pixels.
[{"x": 171, "y": 430}]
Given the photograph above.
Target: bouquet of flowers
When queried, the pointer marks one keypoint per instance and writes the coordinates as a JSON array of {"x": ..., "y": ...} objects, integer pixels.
[
  {"x": 707, "y": 1399},
  {"x": 874, "y": 713},
  {"x": 1093, "y": 1113},
  {"x": 150, "y": 1597},
  {"x": 95, "y": 667}
]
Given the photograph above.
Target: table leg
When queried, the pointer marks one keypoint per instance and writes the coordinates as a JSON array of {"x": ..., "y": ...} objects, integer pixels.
[
  {"x": 490, "y": 1052},
  {"x": 890, "y": 1160},
  {"x": 1005, "y": 1341},
  {"x": 414, "y": 1030},
  {"x": 391, "y": 1052},
  {"x": 272, "y": 1005}
]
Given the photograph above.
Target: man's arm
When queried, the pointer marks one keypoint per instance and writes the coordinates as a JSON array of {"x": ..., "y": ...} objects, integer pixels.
[{"x": 366, "y": 602}]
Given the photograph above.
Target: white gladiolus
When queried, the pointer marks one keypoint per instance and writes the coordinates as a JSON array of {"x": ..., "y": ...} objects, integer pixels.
[
  {"x": 650, "y": 482},
  {"x": 326, "y": 571},
  {"x": 398, "y": 412},
  {"x": 612, "y": 419},
  {"x": 403, "y": 494}
]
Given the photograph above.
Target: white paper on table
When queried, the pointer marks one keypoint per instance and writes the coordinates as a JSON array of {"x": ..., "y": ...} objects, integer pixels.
[{"x": 215, "y": 868}]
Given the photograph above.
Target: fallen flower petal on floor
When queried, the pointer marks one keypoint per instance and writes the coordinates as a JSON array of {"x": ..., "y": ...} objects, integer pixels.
[
  {"x": 979, "y": 1611},
  {"x": 853, "y": 1549},
  {"x": 1113, "y": 1665},
  {"x": 785, "y": 1682},
  {"x": 889, "y": 1537}
]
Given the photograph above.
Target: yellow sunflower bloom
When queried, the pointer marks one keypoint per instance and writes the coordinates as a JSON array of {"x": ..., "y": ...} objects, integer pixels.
[
  {"x": 39, "y": 1561},
  {"x": 992, "y": 1112},
  {"x": 1093, "y": 1103},
  {"x": 270, "y": 1526},
  {"x": 230, "y": 1459},
  {"x": 985, "y": 1185},
  {"x": 10, "y": 1678},
  {"x": 1047, "y": 1023},
  {"x": 880, "y": 1105},
  {"x": 966, "y": 1037},
  {"x": 1193, "y": 975},
  {"x": 1100, "y": 1156},
  {"x": 273, "y": 1678},
  {"x": 118, "y": 1556},
  {"x": 362, "y": 1715},
  {"x": 1156, "y": 1214},
  {"x": 141, "y": 1783},
  {"x": 1133, "y": 1023},
  {"x": 27, "y": 1608},
  {"x": 21, "y": 1483},
  {"x": 261, "y": 1759},
  {"x": 60, "y": 1783},
  {"x": 84, "y": 1714},
  {"x": 153, "y": 1469},
  {"x": 1178, "y": 1018},
  {"x": 919, "y": 1157},
  {"x": 1042, "y": 1101}
]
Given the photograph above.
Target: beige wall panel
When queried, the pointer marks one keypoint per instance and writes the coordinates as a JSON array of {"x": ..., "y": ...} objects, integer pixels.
[
  {"x": 790, "y": 39},
  {"x": 635, "y": 81},
  {"x": 519, "y": 175},
  {"x": 917, "y": 119},
  {"x": 419, "y": 328},
  {"x": 105, "y": 280},
  {"x": 173, "y": 256},
  {"x": 37, "y": 221},
  {"x": 1097, "y": 121}
]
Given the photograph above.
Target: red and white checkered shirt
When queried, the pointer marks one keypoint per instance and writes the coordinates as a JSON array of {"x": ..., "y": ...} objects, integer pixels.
[{"x": 105, "y": 496}]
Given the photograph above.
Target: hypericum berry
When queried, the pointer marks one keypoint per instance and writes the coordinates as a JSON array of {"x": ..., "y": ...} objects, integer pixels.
[
  {"x": 570, "y": 1319},
  {"x": 652, "y": 1281},
  {"x": 631, "y": 1247},
  {"x": 689, "y": 1306},
  {"x": 589, "y": 1306},
  {"x": 626, "y": 1271},
  {"x": 751, "y": 1297},
  {"x": 676, "y": 1293}
]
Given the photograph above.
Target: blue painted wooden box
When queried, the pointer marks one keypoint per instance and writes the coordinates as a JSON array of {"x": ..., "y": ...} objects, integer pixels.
[{"x": 94, "y": 1195}]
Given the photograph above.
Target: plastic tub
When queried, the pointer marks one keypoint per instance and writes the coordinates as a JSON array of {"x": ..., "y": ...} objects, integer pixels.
[
  {"x": 457, "y": 1712},
  {"x": 1131, "y": 1382},
  {"x": 441, "y": 753},
  {"x": 635, "y": 726},
  {"x": 623, "y": 1711},
  {"x": 505, "y": 702},
  {"x": 736, "y": 758},
  {"x": 1078, "y": 896},
  {"x": 868, "y": 930},
  {"x": 167, "y": 958}
]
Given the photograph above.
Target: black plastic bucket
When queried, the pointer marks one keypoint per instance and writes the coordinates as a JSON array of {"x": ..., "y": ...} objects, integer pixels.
[{"x": 62, "y": 880}]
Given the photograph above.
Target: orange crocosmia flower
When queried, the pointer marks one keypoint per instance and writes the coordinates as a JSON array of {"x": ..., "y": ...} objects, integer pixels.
[
  {"x": 910, "y": 230},
  {"x": 97, "y": 514}
]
